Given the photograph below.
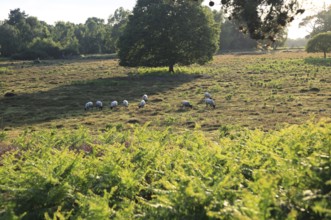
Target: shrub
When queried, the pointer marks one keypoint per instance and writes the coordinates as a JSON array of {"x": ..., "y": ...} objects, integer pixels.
[
  {"x": 30, "y": 55},
  {"x": 143, "y": 173}
]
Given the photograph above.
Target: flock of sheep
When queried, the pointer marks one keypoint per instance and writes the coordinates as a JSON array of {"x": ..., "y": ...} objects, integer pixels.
[{"x": 185, "y": 104}]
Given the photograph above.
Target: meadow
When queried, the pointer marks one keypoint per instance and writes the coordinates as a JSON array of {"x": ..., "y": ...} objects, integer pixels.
[
  {"x": 262, "y": 153},
  {"x": 252, "y": 91}
]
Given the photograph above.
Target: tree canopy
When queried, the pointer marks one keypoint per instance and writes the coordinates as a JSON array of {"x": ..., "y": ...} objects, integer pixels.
[
  {"x": 320, "y": 43},
  {"x": 166, "y": 33},
  {"x": 261, "y": 19}
]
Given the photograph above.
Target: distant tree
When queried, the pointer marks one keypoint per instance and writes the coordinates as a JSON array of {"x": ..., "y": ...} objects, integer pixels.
[
  {"x": 165, "y": 33},
  {"x": 280, "y": 39},
  {"x": 319, "y": 23},
  {"x": 277, "y": 41},
  {"x": 231, "y": 38},
  {"x": 9, "y": 40},
  {"x": 64, "y": 33},
  {"x": 19, "y": 31},
  {"x": 320, "y": 43},
  {"x": 94, "y": 36},
  {"x": 115, "y": 27},
  {"x": 299, "y": 42},
  {"x": 16, "y": 16}
]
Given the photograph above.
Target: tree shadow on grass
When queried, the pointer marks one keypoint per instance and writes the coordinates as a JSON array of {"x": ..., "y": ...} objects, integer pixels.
[
  {"x": 68, "y": 101},
  {"x": 318, "y": 61}
]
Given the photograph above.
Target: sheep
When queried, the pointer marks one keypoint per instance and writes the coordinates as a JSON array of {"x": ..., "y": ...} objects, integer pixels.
[
  {"x": 145, "y": 98},
  {"x": 125, "y": 103},
  {"x": 88, "y": 105},
  {"x": 207, "y": 95},
  {"x": 113, "y": 104},
  {"x": 142, "y": 103},
  {"x": 98, "y": 104},
  {"x": 210, "y": 102},
  {"x": 186, "y": 103}
]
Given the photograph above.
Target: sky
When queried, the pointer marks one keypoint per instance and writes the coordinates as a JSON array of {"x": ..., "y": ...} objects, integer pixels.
[{"x": 77, "y": 11}]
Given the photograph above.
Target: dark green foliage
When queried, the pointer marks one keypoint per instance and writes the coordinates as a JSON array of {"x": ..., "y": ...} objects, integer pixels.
[
  {"x": 48, "y": 46},
  {"x": 147, "y": 174},
  {"x": 262, "y": 19},
  {"x": 9, "y": 40},
  {"x": 30, "y": 55},
  {"x": 25, "y": 37},
  {"x": 320, "y": 43},
  {"x": 167, "y": 33}
]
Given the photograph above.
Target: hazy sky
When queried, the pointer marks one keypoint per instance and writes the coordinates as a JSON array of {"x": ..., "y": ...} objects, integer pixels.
[{"x": 77, "y": 11}]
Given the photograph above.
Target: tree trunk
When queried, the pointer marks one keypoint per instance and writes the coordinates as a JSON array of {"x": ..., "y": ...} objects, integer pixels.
[
  {"x": 171, "y": 68},
  {"x": 324, "y": 55}
]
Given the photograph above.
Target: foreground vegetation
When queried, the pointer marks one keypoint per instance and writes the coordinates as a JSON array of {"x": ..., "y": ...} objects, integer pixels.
[{"x": 142, "y": 173}]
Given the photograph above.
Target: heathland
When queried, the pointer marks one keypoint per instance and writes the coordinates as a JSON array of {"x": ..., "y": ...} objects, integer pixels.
[{"x": 262, "y": 153}]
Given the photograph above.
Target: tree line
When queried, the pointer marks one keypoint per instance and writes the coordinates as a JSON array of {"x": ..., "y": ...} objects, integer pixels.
[
  {"x": 25, "y": 37},
  {"x": 160, "y": 31}
]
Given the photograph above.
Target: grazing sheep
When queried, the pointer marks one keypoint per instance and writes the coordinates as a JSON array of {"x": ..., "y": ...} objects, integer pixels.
[
  {"x": 207, "y": 95},
  {"x": 186, "y": 103},
  {"x": 145, "y": 98},
  {"x": 126, "y": 103},
  {"x": 88, "y": 105},
  {"x": 98, "y": 104},
  {"x": 142, "y": 103},
  {"x": 210, "y": 102},
  {"x": 113, "y": 104}
]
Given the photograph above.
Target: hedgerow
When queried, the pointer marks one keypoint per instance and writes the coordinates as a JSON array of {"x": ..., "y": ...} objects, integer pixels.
[{"x": 143, "y": 173}]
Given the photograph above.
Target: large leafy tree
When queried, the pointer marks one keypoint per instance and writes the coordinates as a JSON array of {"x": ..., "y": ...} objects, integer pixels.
[
  {"x": 165, "y": 33},
  {"x": 320, "y": 43}
]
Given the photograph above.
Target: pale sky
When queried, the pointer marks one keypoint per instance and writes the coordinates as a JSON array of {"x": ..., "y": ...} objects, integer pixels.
[{"x": 77, "y": 11}]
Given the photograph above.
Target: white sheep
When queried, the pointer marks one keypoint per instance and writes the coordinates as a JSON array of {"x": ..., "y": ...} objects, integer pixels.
[
  {"x": 142, "y": 103},
  {"x": 186, "y": 103},
  {"x": 207, "y": 95},
  {"x": 88, "y": 105},
  {"x": 113, "y": 104},
  {"x": 125, "y": 103},
  {"x": 145, "y": 98},
  {"x": 210, "y": 102},
  {"x": 98, "y": 104}
]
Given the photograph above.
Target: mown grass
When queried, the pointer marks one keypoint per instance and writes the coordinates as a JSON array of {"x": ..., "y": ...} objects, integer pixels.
[{"x": 254, "y": 91}]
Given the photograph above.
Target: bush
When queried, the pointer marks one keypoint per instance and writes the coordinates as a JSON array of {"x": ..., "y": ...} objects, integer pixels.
[
  {"x": 30, "y": 55},
  {"x": 51, "y": 48}
]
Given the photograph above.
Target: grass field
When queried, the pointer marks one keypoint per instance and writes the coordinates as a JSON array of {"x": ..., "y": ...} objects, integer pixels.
[
  {"x": 253, "y": 91},
  {"x": 263, "y": 152}
]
